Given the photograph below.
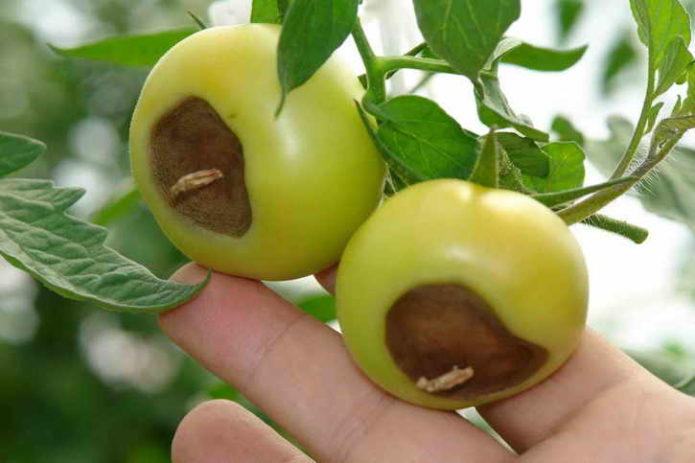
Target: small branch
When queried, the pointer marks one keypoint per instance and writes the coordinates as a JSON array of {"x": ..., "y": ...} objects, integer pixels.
[
  {"x": 447, "y": 381},
  {"x": 395, "y": 63},
  {"x": 195, "y": 181},
  {"x": 376, "y": 87},
  {"x": 627, "y": 230},
  {"x": 560, "y": 197},
  {"x": 638, "y": 134}
]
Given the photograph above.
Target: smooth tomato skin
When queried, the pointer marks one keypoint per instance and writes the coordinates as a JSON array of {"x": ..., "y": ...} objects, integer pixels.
[
  {"x": 510, "y": 249},
  {"x": 313, "y": 174}
]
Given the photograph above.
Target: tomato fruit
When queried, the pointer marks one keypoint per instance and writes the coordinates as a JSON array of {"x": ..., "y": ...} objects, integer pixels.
[
  {"x": 453, "y": 295},
  {"x": 236, "y": 188}
]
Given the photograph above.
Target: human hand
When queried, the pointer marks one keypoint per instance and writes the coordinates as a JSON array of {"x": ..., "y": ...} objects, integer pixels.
[{"x": 599, "y": 407}]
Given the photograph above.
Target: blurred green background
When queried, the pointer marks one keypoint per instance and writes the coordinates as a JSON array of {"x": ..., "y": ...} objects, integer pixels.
[{"x": 81, "y": 385}]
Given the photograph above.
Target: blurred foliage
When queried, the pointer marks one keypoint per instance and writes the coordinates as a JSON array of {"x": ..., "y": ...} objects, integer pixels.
[
  {"x": 621, "y": 56},
  {"x": 568, "y": 14},
  {"x": 57, "y": 405}
]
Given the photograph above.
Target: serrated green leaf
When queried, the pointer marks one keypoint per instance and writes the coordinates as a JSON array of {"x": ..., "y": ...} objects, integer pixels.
[
  {"x": 674, "y": 65},
  {"x": 525, "y": 154},
  {"x": 465, "y": 32},
  {"x": 659, "y": 23},
  {"x": 568, "y": 14},
  {"x": 17, "y": 152},
  {"x": 265, "y": 11},
  {"x": 132, "y": 50},
  {"x": 425, "y": 138},
  {"x": 543, "y": 59},
  {"x": 494, "y": 109},
  {"x": 69, "y": 256},
  {"x": 396, "y": 165},
  {"x": 566, "y": 168},
  {"x": 312, "y": 31}
]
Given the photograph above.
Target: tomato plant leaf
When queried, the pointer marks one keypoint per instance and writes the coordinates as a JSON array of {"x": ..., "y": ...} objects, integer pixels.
[
  {"x": 525, "y": 154},
  {"x": 312, "y": 31},
  {"x": 465, "y": 32},
  {"x": 659, "y": 22},
  {"x": 425, "y": 138},
  {"x": 675, "y": 64},
  {"x": 566, "y": 168},
  {"x": 17, "y": 152},
  {"x": 133, "y": 50},
  {"x": 396, "y": 164},
  {"x": 566, "y": 131},
  {"x": 543, "y": 59},
  {"x": 69, "y": 256},
  {"x": 266, "y": 11},
  {"x": 486, "y": 171},
  {"x": 494, "y": 109}
]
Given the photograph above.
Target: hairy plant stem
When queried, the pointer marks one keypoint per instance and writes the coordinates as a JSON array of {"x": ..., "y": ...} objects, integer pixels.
[
  {"x": 376, "y": 76},
  {"x": 631, "y": 150},
  {"x": 590, "y": 206}
]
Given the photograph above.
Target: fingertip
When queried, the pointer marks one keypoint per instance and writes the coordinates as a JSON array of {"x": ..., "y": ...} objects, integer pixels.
[{"x": 190, "y": 274}]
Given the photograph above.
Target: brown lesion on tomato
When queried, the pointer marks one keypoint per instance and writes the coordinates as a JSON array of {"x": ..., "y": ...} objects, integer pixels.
[
  {"x": 198, "y": 164},
  {"x": 449, "y": 342}
]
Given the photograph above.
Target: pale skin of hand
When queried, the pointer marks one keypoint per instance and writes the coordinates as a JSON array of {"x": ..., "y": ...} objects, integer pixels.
[{"x": 599, "y": 407}]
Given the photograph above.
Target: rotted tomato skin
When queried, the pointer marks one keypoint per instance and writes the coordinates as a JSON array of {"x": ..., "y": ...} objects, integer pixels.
[
  {"x": 503, "y": 249},
  {"x": 311, "y": 174}
]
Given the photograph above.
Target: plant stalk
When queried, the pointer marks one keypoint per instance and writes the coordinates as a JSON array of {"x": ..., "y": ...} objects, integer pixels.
[
  {"x": 638, "y": 134},
  {"x": 376, "y": 88}
]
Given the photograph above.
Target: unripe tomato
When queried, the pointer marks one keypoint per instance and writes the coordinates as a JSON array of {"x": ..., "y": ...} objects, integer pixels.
[
  {"x": 453, "y": 295},
  {"x": 237, "y": 189}
]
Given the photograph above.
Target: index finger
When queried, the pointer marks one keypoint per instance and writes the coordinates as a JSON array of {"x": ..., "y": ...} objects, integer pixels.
[{"x": 297, "y": 370}]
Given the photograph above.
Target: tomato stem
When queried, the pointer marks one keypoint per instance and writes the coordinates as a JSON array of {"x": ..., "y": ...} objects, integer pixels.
[
  {"x": 639, "y": 129},
  {"x": 376, "y": 76},
  {"x": 395, "y": 63}
]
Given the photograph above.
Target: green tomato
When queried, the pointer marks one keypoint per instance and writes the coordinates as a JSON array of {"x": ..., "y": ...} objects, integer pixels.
[
  {"x": 453, "y": 295},
  {"x": 236, "y": 188}
]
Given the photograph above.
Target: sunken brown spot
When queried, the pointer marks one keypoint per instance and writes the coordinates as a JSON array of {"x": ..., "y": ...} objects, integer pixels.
[
  {"x": 193, "y": 138},
  {"x": 433, "y": 329}
]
